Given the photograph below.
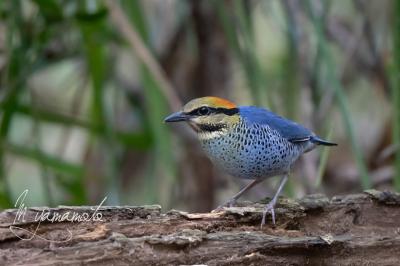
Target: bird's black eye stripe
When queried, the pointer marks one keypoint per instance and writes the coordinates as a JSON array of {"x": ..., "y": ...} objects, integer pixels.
[
  {"x": 229, "y": 112},
  {"x": 205, "y": 110}
]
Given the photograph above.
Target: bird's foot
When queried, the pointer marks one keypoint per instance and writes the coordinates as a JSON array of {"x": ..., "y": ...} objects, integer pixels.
[
  {"x": 270, "y": 207},
  {"x": 229, "y": 203}
]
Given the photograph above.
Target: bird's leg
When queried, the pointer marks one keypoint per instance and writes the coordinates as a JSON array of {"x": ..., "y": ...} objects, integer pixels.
[
  {"x": 271, "y": 205},
  {"x": 233, "y": 200}
]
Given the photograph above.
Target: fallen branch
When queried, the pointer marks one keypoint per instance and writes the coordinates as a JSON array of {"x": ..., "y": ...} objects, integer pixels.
[{"x": 346, "y": 230}]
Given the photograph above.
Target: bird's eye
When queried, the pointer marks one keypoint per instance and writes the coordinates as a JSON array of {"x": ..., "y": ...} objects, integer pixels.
[{"x": 203, "y": 110}]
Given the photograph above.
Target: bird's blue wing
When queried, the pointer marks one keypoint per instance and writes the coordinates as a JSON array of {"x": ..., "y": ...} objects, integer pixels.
[{"x": 287, "y": 128}]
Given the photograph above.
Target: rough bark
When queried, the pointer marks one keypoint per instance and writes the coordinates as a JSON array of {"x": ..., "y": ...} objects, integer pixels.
[{"x": 345, "y": 230}]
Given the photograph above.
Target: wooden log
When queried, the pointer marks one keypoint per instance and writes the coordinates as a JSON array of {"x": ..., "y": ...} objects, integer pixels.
[{"x": 360, "y": 229}]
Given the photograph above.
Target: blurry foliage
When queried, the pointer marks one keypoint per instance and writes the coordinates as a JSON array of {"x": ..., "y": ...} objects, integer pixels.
[
  {"x": 396, "y": 92},
  {"x": 81, "y": 114}
]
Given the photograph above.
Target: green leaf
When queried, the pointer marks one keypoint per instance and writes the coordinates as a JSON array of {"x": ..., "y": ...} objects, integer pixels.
[
  {"x": 56, "y": 164},
  {"x": 50, "y": 10}
]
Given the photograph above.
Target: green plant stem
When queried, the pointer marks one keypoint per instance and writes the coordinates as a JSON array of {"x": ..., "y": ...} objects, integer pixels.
[
  {"x": 323, "y": 160},
  {"x": 238, "y": 31},
  {"x": 396, "y": 92},
  {"x": 341, "y": 98},
  {"x": 15, "y": 80}
]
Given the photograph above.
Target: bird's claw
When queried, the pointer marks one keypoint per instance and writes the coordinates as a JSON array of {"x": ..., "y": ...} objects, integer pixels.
[
  {"x": 229, "y": 203},
  {"x": 268, "y": 208}
]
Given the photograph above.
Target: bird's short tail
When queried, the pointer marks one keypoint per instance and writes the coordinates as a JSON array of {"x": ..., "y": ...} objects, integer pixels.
[{"x": 319, "y": 141}]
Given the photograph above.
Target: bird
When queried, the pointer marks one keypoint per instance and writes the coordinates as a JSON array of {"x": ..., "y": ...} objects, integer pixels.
[{"x": 247, "y": 142}]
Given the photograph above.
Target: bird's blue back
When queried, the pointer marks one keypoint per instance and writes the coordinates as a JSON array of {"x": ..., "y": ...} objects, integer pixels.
[
  {"x": 287, "y": 128},
  {"x": 260, "y": 145}
]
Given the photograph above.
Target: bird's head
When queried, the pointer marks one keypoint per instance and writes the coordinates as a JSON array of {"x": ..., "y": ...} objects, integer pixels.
[{"x": 208, "y": 116}]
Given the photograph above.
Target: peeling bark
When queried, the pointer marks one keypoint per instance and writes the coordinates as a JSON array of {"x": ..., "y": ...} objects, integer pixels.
[{"x": 346, "y": 230}]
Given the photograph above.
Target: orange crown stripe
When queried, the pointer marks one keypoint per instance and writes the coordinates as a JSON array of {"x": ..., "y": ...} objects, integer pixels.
[{"x": 222, "y": 102}]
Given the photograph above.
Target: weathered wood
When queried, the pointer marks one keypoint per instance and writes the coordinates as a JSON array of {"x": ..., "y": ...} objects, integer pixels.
[{"x": 345, "y": 230}]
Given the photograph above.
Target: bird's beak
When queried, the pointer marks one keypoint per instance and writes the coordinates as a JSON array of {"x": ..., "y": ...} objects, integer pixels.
[{"x": 177, "y": 117}]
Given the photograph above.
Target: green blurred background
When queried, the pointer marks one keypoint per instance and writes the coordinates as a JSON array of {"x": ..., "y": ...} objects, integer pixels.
[{"x": 85, "y": 85}]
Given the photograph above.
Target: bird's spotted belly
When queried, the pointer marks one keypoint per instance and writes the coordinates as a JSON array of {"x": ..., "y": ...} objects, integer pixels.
[{"x": 251, "y": 153}]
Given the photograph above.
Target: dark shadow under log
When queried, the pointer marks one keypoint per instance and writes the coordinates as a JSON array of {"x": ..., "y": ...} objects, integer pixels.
[{"x": 345, "y": 230}]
